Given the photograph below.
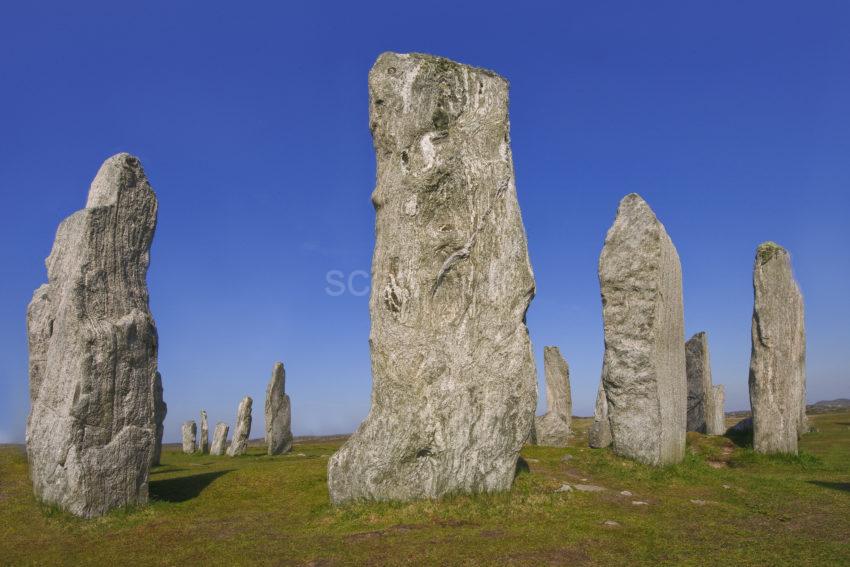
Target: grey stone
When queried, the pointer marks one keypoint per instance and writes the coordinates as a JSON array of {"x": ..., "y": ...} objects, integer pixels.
[
  {"x": 278, "y": 413},
  {"x": 190, "y": 435},
  {"x": 644, "y": 379},
  {"x": 716, "y": 420},
  {"x": 588, "y": 488},
  {"x": 743, "y": 425},
  {"x": 553, "y": 428},
  {"x": 454, "y": 383},
  {"x": 599, "y": 435},
  {"x": 91, "y": 431},
  {"x": 160, "y": 410},
  {"x": 219, "y": 442},
  {"x": 778, "y": 356},
  {"x": 698, "y": 367},
  {"x": 204, "y": 444},
  {"x": 565, "y": 488},
  {"x": 242, "y": 430}
]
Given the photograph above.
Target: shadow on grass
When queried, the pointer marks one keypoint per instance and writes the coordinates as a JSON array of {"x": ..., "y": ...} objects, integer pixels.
[
  {"x": 845, "y": 486},
  {"x": 521, "y": 467},
  {"x": 743, "y": 439},
  {"x": 183, "y": 488}
]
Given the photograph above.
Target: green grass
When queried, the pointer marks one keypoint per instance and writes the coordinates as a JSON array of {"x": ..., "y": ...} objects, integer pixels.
[{"x": 751, "y": 510}]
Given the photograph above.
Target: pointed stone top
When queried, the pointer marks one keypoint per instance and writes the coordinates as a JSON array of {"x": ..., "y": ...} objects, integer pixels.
[
  {"x": 698, "y": 336},
  {"x": 634, "y": 205},
  {"x": 121, "y": 171},
  {"x": 766, "y": 251}
]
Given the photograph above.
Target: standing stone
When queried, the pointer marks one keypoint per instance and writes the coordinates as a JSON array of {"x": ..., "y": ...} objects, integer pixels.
[
  {"x": 190, "y": 433},
  {"x": 160, "y": 409},
  {"x": 599, "y": 435},
  {"x": 243, "y": 428},
  {"x": 700, "y": 396},
  {"x": 454, "y": 384},
  {"x": 219, "y": 442},
  {"x": 716, "y": 420},
  {"x": 778, "y": 357},
  {"x": 278, "y": 413},
  {"x": 641, "y": 282},
  {"x": 91, "y": 431},
  {"x": 553, "y": 428}
]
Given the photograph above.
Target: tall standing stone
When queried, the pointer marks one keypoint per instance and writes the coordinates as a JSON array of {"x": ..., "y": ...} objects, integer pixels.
[
  {"x": 553, "y": 428},
  {"x": 91, "y": 431},
  {"x": 698, "y": 371},
  {"x": 716, "y": 420},
  {"x": 204, "y": 444},
  {"x": 599, "y": 434},
  {"x": 190, "y": 435},
  {"x": 778, "y": 357},
  {"x": 219, "y": 442},
  {"x": 160, "y": 410},
  {"x": 278, "y": 413},
  {"x": 454, "y": 384},
  {"x": 243, "y": 428},
  {"x": 641, "y": 283}
]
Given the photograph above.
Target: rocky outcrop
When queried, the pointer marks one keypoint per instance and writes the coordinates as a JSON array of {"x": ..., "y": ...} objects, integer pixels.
[
  {"x": 278, "y": 413},
  {"x": 454, "y": 385},
  {"x": 204, "y": 444},
  {"x": 716, "y": 420},
  {"x": 91, "y": 431},
  {"x": 242, "y": 431},
  {"x": 190, "y": 434},
  {"x": 553, "y": 428},
  {"x": 160, "y": 409},
  {"x": 219, "y": 442},
  {"x": 778, "y": 357},
  {"x": 641, "y": 283},
  {"x": 700, "y": 396},
  {"x": 599, "y": 435}
]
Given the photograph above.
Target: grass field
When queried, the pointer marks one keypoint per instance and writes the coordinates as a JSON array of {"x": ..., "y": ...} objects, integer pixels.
[{"x": 725, "y": 505}]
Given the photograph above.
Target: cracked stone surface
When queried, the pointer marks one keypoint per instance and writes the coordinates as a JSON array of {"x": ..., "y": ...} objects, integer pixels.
[
  {"x": 599, "y": 435},
  {"x": 778, "y": 356},
  {"x": 91, "y": 432},
  {"x": 189, "y": 432},
  {"x": 700, "y": 395},
  {"x": 644, "y": 378},
  {"x": 454, "y": 382},
  {"x": 553, "y": 428},
  {"x": 219, "y": 442},
  {"x": 278, "y": 413},
  {"x": 716, "y": 421},
  {"x": 160, "y": 410},
  {"x": 242, "y": 430}
]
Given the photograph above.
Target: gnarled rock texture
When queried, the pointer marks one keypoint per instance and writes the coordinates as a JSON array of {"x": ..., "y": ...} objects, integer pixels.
[
  {"x": 715, "y": 422},
  {"x": 219, "y": 442},
  {"x": 160, "y": 409},
  {"x": 553, "y": 428},
  {"x": 700, "y": 397},
  {"x": 454, "y": 385},
  {"x": 278, "y": 413},
  {"x": 778, "y": 357},
  {"x": 91, "y": 431},
  {"x": 204, "y": 443},
  {"x": 189, "y": 432},
  {"x": 599, "y": 434},
  {"x": 242, "y": 431},
  {"x": 644, "y": 379}
]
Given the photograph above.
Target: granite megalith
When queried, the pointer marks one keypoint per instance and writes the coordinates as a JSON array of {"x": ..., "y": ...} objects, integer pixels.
[
  {"x": 599, "y": 434},
  {"x": 641, "y": 283},
  {"x": 219, "y": 442},
  {"x": 553, "y": 428},
  {"x": 242, "y": 430},
  {"x": 778, "y": 356},
  {"x": 189, "y": 432},
  {"x": 716, "y": 420},
  {"x": 160, "y": 410},
  {"x": 453, "y": 376},
  {"x": 204, "y": 441},
  {"x": 278, "y": 413},
  {"x": 700, "y": 394},
  {"x": 91, "y": 432}
]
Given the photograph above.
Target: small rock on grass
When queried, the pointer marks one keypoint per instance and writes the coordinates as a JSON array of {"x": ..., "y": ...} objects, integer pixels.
[
  {"x": 566, "y": 457},
  {"x": 698, "y": 502},
  {"x": 565, "y": 488},
  {"x": 611, "y": 524},
  {"x": 639, "y": 503},
  {"x": 588, "y": 488},
  {"x": 625, "y": 493}
]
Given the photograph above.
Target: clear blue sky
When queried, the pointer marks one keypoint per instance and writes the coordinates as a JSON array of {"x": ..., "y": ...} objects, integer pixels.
[{"x": 731, "y": 118}]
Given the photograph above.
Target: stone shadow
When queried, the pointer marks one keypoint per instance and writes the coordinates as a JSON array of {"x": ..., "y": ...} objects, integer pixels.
[
  {"x": 521, "y": 467},
  {"x": 183, "y": 488},
  {"x": 845, "y": 486}
]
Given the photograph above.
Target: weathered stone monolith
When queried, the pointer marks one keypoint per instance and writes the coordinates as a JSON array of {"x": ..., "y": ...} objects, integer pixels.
[
  {"x": 242, "y": 430},
  {"x": 190, "y": 435},
  {"x": 204, "y": 444},
  {"x": 599, "y": 435},
  {"x": 160, "y": 410},
  {"x": 700, "y": 396},
  {"x": 778, "y": 357},
  {"x": 641, "y": 282},
  {"x": 91, "y": 431},
  {"x": 454, "y": 384},
  {"x": 553, "y": 428},
  {"x": 219, "y": 442},
  {"x": 716, "y": 420},
  {"x": 278, "y": 413}
]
